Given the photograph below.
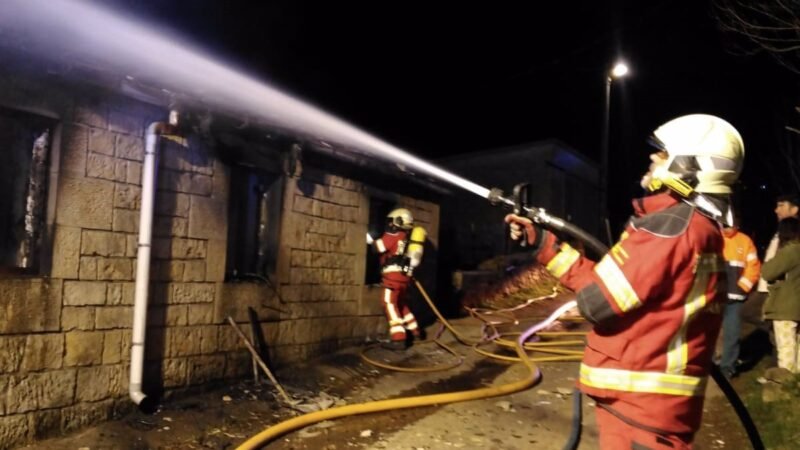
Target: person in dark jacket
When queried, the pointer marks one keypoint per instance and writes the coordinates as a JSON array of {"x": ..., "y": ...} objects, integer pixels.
[{"x": 783, "y": 305}]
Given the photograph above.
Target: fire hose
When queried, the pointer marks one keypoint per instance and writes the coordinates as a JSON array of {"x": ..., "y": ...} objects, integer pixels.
[
  {"x": 540, "y": 216},
  {"x": 520, "y": 345}
]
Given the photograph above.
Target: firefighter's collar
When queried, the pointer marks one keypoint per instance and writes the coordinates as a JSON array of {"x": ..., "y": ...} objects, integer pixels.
[{"x": 653, "y": 203}]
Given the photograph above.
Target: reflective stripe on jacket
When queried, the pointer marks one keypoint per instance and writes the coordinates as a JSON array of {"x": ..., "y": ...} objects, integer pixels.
[
  {"x": 654, "y": 299},
  {"x": 742, "y": 262}
]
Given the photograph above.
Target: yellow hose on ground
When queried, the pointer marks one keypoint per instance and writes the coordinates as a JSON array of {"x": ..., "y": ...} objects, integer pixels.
[
  {"x": 287, "y": 426},
  {"x": 275, "y": 431}
]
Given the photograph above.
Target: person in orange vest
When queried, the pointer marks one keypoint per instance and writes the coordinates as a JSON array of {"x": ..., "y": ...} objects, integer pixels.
[
  {"x": 743, "y": 270},
  {"x": 655, "y": 298},
  {"x": 400, "y": 247}
]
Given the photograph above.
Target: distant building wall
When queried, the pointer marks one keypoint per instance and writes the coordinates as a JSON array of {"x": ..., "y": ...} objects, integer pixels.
[
  {"x": 561, "y": 181},
  {"x": 65, "y": 330}
]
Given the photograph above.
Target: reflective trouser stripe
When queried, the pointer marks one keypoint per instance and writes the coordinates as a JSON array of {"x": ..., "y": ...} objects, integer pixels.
[
  {"x": 643, "y": 382},
  {"x": 391, "y": 308},
  {"x": 410, "y": 321},
  {"x": 618, "y": 286},
  {"x": 561, "y": 263}
]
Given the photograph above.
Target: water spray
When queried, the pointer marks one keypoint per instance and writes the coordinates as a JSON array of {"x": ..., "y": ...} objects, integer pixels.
[{"x": 92, "y": 34}]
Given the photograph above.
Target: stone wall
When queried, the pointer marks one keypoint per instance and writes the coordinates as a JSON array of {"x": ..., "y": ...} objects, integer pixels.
[
  {"x": 65, "y": 335},
  {"x": 323, "y": 302}
]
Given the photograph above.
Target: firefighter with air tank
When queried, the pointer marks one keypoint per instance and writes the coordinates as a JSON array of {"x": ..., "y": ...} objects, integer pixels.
[
  {"x": 400, "y": 248},
  {"x": 655, "y": 298}
]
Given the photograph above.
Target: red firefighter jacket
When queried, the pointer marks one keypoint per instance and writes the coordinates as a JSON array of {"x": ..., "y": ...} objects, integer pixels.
[
  {"x": 392, "y": 248},
  {"x": 743, "y": 265},
  {"x": 654, "y": 299}
]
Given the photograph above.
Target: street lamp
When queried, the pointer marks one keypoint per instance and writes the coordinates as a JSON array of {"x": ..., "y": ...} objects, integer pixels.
[{"x": 619, "y": 70}]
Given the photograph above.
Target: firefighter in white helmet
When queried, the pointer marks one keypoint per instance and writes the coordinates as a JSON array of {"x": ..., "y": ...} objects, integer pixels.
[
  {"x": 400, "y": 247},
  {"x": 655, "y": 297}
]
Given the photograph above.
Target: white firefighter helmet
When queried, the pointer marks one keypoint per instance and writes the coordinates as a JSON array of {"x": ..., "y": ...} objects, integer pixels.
[
  {"x": 706, "y": 154},
  {"x": 401, "y": 218}
]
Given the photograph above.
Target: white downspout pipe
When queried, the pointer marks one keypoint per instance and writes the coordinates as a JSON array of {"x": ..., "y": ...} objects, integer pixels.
[{"x": 149, "y": 177}]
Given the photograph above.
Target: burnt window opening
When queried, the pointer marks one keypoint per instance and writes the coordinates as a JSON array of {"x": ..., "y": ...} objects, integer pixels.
[
  {"x": 25, "y": 141},
  {"x": 378, "y": 209},
  {"x": 253, "y": 226}
]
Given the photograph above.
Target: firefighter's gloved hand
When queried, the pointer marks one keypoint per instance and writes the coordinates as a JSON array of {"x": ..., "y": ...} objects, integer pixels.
[
  {"x": 521, "y": 226},
  {"x": 408, "y": 271},
  {"x": 370, "y": 240}
]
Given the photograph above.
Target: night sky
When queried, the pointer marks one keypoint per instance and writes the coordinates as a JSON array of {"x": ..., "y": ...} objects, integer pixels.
[{"x": 439, "y": 80}]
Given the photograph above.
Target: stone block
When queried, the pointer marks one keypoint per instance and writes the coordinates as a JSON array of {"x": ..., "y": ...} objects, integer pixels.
[
  {"x": 85, "y": 414},
  {"x": 176, "y": 315},
  {"x": 170, "y": 226},
  {"x": 101, "y": 141},
  {"x": 83, "y": 348},
  {"x": 11, "y": 352},
  {"x": 98, "y": 383},
  {"x": 66, "y": 252},
  {"x": 201, "y": 314},
  {"x": 74, "y": 144},
  {"x": 120, "y": 293},
  {"x": 81, "y": 293},
  {"x": 194, "y": 271},
  {"x": 183, "y": 341},
  {"x": 130, "y": 147},
  {"x": 101, "y": 166},
  {"x": 14, "y": 431},
  {"x": 134, "y": 173},
  {"x": 77, "y": 318},
  {"x": 235, "y": 298},
  {"x": 115, "y": 268},
  {"x": 132, "y": 245},
  {"x": 88, "y": 268},
  {"x": 172, "y": 204},
  {"x": 216, "y": 259},
  {"x": 166, "y": 270},
  {"x": 85, "y": 203},
  {"x": 192, "y": 293},
  {"x": 39, "y": 390},
  {"x": 125, "y": 220},
  {"x": 103, "y": 243},
  {"x": 127, "y": 196},
  {"x": 110, "y": 317},
  {"x": 203, "y": 369},
  {"x": 112, "y": 346},
  {"x": 208, "y": 218},
  {"x": 209, "y": 339},
  {"x": 188, "y": 248},
  {"x": 220, "y": 183},
  {"x": 43, "y": 351},
  {"x": 30, "y": 305},
  {"x": 174, "y": 372}
]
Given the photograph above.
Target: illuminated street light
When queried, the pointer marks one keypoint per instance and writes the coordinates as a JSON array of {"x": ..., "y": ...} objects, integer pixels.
[{"x": 619, "y": 70}]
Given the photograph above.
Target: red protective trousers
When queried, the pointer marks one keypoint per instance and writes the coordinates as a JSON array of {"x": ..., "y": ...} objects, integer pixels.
[
  {"x": 397, "y": 312},
  {"x": 617, "y": 434}
]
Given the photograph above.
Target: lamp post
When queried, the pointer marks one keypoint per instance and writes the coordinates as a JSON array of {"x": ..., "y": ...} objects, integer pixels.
[{"x": 619, "y": 70}]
